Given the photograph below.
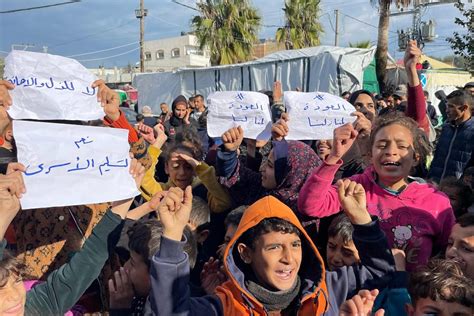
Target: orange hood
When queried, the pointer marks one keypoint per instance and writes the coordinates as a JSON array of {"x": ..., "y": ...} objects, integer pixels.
[{"x": 235, "y": 298}]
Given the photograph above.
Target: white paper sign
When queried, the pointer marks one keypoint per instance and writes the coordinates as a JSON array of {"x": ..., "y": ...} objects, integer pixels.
[
  {"x": 49, "y": 87},
  {"x": 73, "y": 165},
  {"x": 315, "y": 115},
  {"x": 228, "y": 109}
]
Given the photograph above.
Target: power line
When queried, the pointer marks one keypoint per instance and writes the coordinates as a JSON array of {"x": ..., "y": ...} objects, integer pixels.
[
  {"x": 363, "y": 22},
  {"x": 91, "y": 35},
  {"x": 103, "y": 50},
  {"x": 121, "y": 54},
  {"x": 41, "y": 7},
  {"x": 184, "y": 5}
]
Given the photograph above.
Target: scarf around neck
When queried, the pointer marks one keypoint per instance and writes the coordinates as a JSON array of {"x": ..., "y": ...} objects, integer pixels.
[{"x": 274, "y": 301}]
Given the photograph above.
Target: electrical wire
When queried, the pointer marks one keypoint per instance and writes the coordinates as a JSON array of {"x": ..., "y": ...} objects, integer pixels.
[
  {"x": 40, "y": 7},
  {"x": 363, "y": 22},
  {"x": 121, "y": 54},
  {"x": 103, "y": 50}
]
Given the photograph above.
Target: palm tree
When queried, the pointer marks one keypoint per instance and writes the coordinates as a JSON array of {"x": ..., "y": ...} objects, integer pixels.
[
  {"x": 361, "y": 44},
  {"x": 229, "y": 28},
  {"x": 382, "y": 38},
  {"x": 302, "y": 24}
]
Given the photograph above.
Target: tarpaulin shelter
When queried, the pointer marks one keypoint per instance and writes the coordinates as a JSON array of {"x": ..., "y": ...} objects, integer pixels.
[{"x": 323, "y": 68}]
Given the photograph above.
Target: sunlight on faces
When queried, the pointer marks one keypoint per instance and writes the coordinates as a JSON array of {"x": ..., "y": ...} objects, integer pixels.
[
  {"x": 366, "y": 106},
  {"x": 180, "y": 110},
  {"x": 455, "y": 112},
  {"x": 426, "y": 307},
  {"x": 180, "y": 172},
  {"x": 164, "y": 108},
  {"x": 275, "y": 260},
  {"x": 393, "y": 155},
  {"x": 139, "y": 274},
  {"x": 340, "y": 254},
  {"x": 461, "y": 248},
  {"x": 268, "y": 173},
  {"x": 12, "y": 297},
  {"x": 323, "y": 148}
]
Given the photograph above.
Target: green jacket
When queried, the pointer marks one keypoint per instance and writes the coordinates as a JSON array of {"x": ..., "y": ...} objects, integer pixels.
[{"x": 65, "y": 286}]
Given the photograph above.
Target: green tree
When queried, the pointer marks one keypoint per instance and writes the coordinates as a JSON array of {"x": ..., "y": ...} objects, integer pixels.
[
  {"x": 302, "y": 27},
  {"x": 463, "y": 44},
  {"x": 382, "y": 37},
  {"x": 361, "y": 44},
  {"x": 229, "y": 28}
]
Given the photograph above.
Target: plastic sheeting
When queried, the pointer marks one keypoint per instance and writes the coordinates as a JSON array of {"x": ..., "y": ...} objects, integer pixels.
[{"x": 323, "y": 68}]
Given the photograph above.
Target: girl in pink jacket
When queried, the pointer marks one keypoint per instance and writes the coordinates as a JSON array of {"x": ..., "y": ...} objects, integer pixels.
[{"x": 415, "y": 216}]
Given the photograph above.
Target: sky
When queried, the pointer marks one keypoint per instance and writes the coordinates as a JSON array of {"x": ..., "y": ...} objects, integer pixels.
[{"x": 106, "y": 32}]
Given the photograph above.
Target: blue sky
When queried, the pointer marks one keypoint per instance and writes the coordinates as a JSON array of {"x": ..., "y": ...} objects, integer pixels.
[{"x": 110, "y": 26}]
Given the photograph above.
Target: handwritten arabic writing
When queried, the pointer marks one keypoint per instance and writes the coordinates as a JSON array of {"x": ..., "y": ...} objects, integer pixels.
[
  {"x": 326, "y": 122},
  {"x": 49, "y": 83},
  {"x": 240, "y": 105},
  {"x": 104, "y": 167}
]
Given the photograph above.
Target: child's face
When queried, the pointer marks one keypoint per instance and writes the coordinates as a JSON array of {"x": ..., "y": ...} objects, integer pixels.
[
  {"x": 340, "y": 254},
  {"x": 139, "y": 274},
  {"x": 275, "y": 260},
  {"x": 393, "y": 155},
  {"x": 426, "y": 306},
  {"x": 12, "y": 297},
  {"x": 181, "y": 173},
  {"x": 461, "y": 248},
  {"x": 229, "y": 233},
  {"x": 268, "y": 173}
]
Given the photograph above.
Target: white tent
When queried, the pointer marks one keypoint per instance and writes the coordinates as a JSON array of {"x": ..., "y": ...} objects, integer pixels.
[{"x": 323, "y": 68}]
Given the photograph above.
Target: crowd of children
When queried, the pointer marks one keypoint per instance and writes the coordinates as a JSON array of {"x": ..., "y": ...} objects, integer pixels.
[{"x": 365, "y": 223}]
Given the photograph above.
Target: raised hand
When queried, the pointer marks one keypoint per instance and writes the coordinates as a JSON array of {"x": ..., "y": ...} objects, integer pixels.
[
  {"x": 108, "y": 98},
  {"x": 12, "y": 188},
  {"x": 280, "y": 128},
  {"x": 412, "y": 54},
  {"x": 361, "y": 304},
  {"x": 5, "y": 98},
  {"x": 232, "y": 138},
  {"x": 212, "y": 276},
  {"x": 189, "y": 160},
  {"x": 344, "y": 137},
  {"x": 362, "y": 125},
  {"x": 174, "y": 211},
  {"x": 161, "y": 137},
  {"x": 277, "y": 92},
  {"x": 353, "y": 201},
  {"x": 147, "y": 133},
  {"x": 120, "y": 290}
]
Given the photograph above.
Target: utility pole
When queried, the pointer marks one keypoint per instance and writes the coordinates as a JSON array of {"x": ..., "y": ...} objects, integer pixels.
[
  {"x": 141, "y": 14},
  {"x": 336, "y": 39},
  {"x": 22, "y": 46}
]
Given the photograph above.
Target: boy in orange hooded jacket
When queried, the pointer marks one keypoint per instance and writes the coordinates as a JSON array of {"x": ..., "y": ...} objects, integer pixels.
[{"x": 273, "y": 266}]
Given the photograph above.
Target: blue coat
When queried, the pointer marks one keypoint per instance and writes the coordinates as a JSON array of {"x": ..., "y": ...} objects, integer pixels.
[{"x": 454, "y": 151}]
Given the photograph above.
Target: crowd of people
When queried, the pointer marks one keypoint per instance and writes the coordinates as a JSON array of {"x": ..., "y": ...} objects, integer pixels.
[{"x": 377, "y": 220}]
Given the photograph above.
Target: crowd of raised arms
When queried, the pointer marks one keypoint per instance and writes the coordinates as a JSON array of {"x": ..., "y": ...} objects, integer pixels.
[{"x": 377, "y": 220}]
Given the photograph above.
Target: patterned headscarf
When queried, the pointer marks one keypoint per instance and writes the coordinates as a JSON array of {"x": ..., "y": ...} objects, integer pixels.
[{"x": 294, "y": 162}]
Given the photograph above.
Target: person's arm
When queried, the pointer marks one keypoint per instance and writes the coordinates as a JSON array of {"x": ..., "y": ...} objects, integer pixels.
[
  {"x": 446, "y": 221},
  {"x": 218, "y": 197},
  {"x": 65, "y": 286},
  {"x": 170, "y": 269},
  {"x": 149, "y": 185},
  {"x": 377, "y": 262},
  {"x": 317, "y": 197},
  {"x": 416, "y": 104}
]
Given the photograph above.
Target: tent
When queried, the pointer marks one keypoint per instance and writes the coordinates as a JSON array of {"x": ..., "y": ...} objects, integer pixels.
[{"x": 323, "y": 68}]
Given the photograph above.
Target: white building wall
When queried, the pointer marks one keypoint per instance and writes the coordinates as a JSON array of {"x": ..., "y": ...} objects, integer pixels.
[{"x": 162, "y": 55}]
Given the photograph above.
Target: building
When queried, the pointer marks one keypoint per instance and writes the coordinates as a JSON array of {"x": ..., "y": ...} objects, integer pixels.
[
  {"x": 266, "y": 47},
  {"x": 170, "y": 54}
]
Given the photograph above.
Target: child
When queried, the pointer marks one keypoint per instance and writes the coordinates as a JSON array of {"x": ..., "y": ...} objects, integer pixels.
[
  {"x": 282, "y": 175},
  {"x": 340, "y": 250},
  {"x": 416, "y": 217},
  {"x": 131, "y": 286},
  {"x": 64, "y": 286},
  {"x": 231, "y": 223},
  {"x": 459, "y": 194},
  {"x": 442, "y": 289},
  {"x": 461, "y": 244},
  {"x": 184, "y": 167},
  {"x": 272, "y": 264}
]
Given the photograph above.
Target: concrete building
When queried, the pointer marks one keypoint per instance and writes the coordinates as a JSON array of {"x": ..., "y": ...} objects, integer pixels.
[
  {"x": 266, "y": 47},
  {"x": 169, "y": 54}
]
